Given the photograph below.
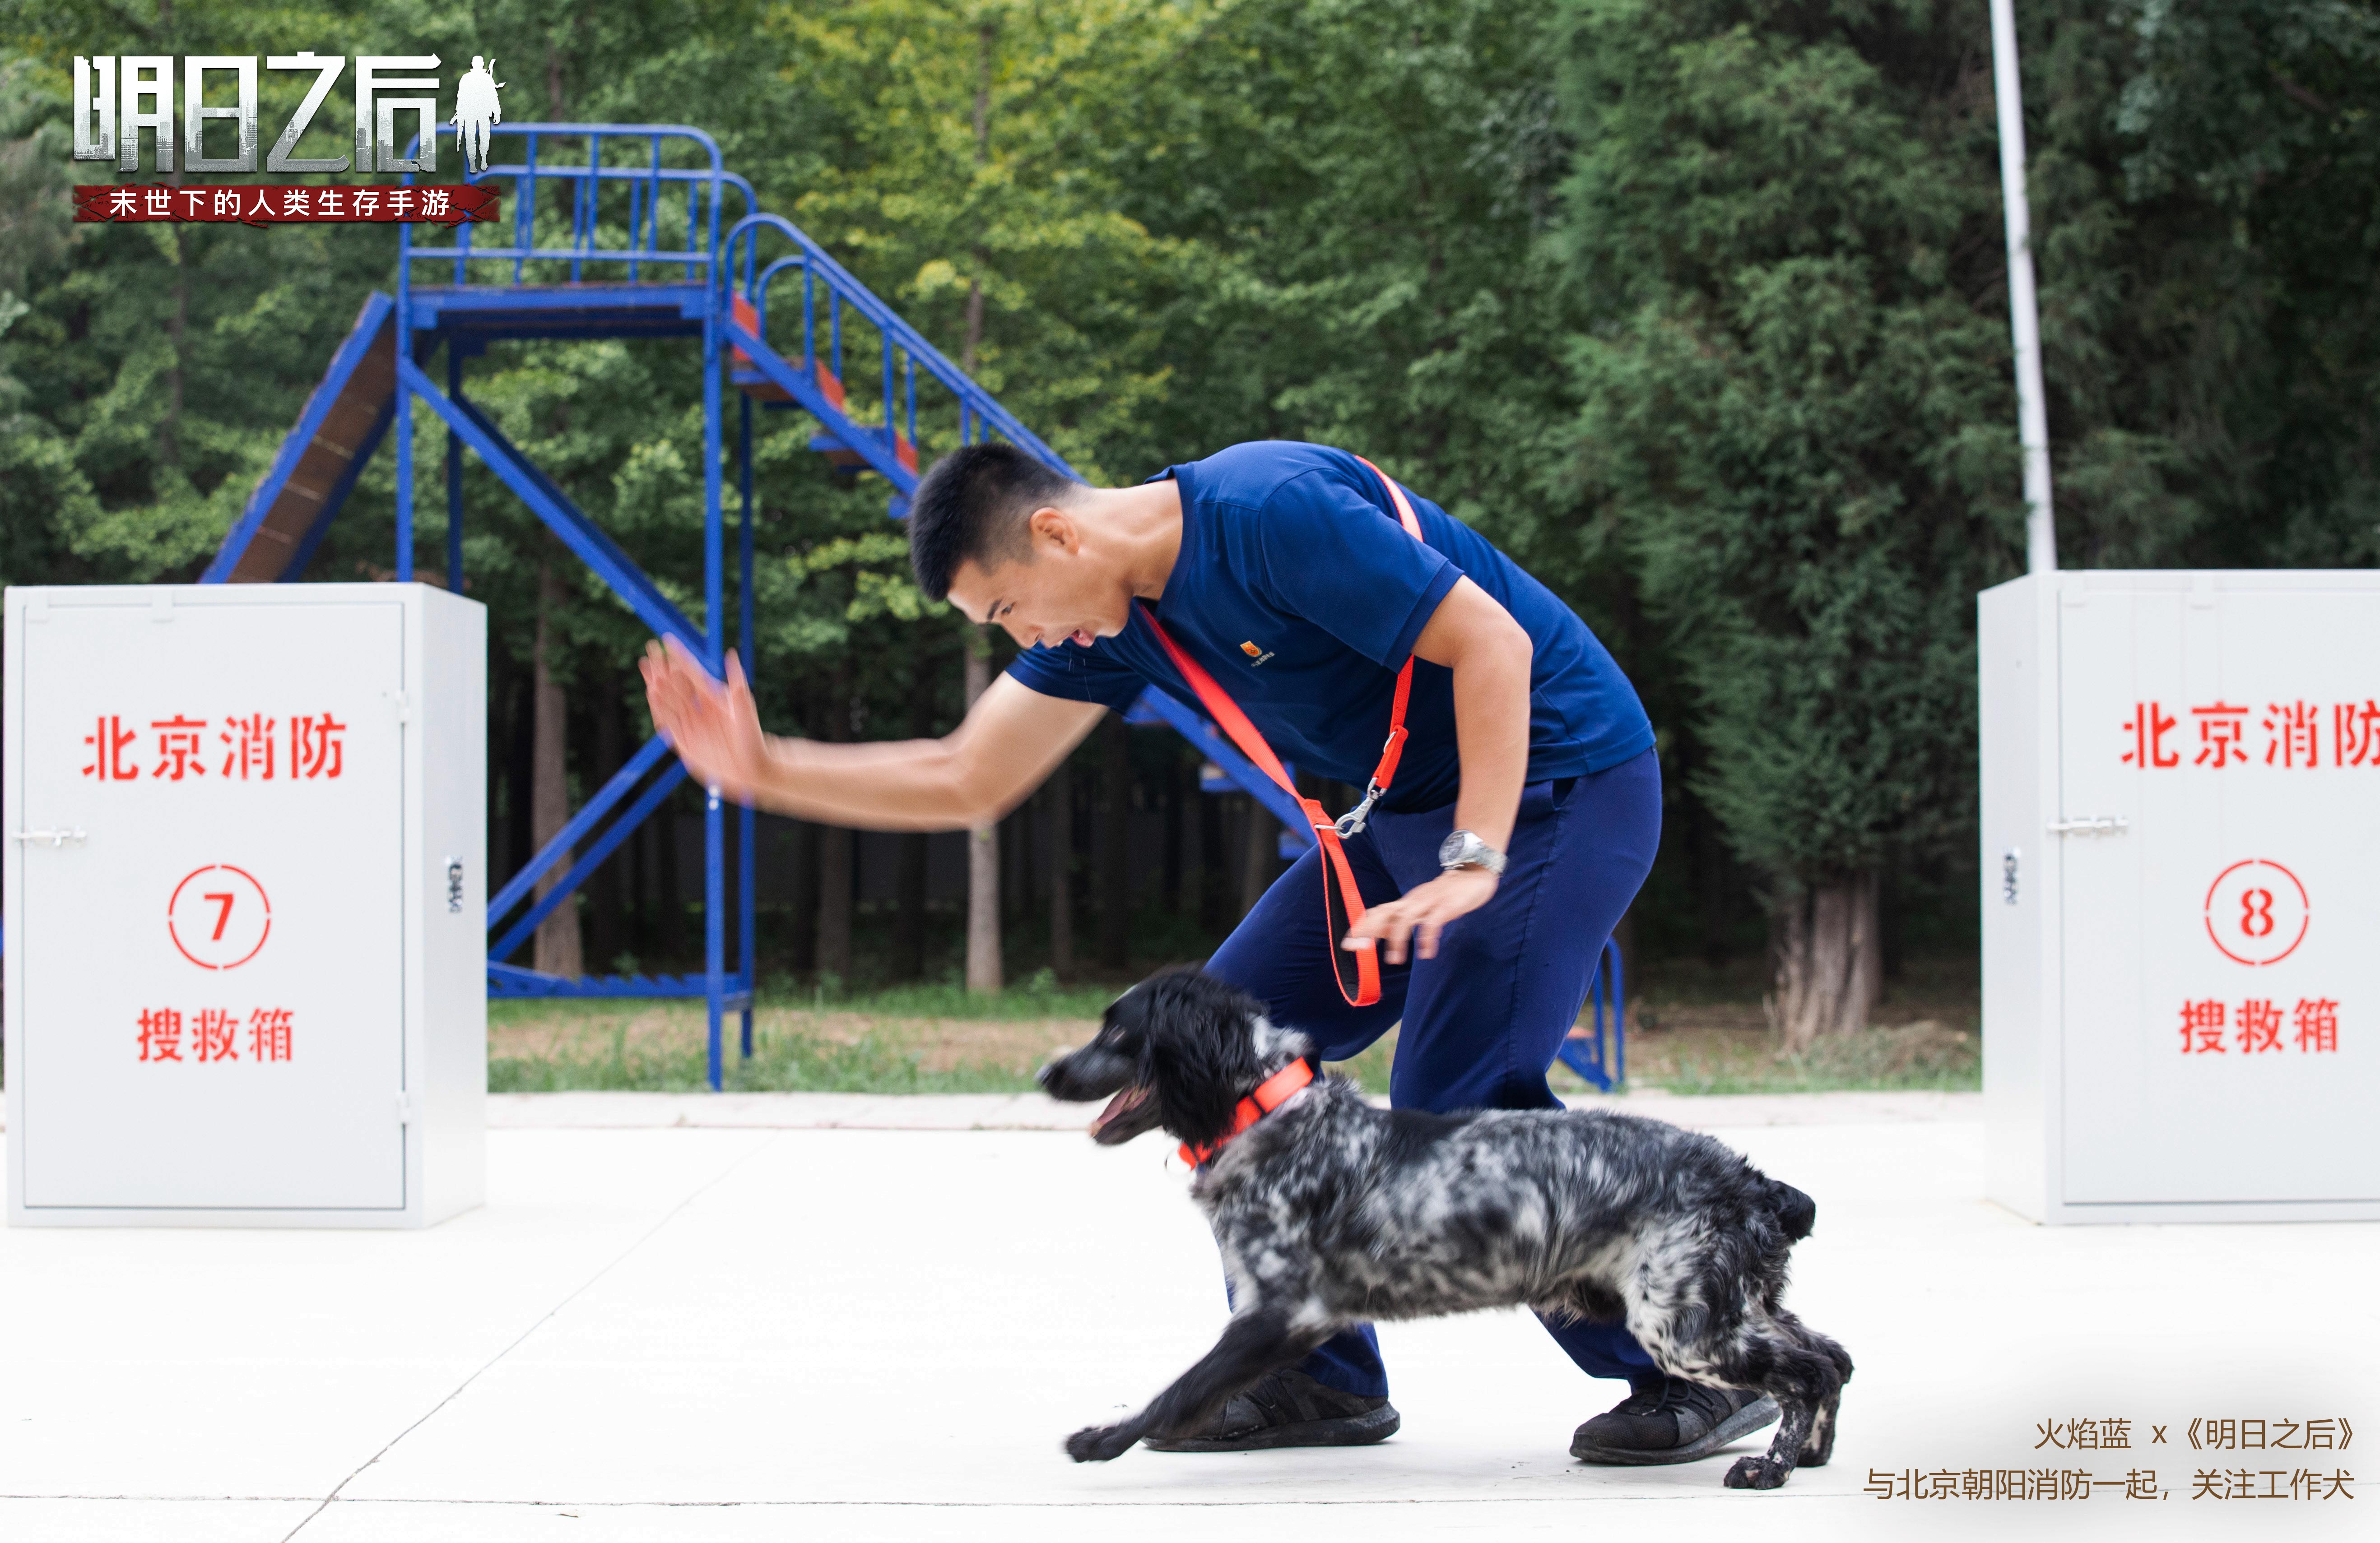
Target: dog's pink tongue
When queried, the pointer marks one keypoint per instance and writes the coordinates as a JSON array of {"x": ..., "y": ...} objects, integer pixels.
[{"x": 1127, "y": 1099}]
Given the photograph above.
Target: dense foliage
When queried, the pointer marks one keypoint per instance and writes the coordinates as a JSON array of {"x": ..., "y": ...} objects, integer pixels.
[{"x": 1698, "y": 307}]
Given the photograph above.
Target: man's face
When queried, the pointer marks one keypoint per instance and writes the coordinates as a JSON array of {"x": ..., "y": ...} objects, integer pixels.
[{"x": 1064, "y": 590}]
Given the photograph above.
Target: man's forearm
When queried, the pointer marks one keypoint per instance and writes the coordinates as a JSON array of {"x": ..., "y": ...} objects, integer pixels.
[
  {"x": 1491, "y": 731},
  {"x": 879, "y": 785},
  {"x": 1011, "y": 740},
  {"x": 1490, "y": 656}
]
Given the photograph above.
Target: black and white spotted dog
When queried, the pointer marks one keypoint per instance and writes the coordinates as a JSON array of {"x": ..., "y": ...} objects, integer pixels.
[{"x": 1331, "y": 1212}]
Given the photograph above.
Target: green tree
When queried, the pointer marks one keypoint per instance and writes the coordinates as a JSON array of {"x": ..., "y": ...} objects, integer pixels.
[
  {"x": 42, "y": 491},
  {"x": 1365, "y": 184},
  {"x": 2206, "y": 203},
  {"x": 948, "y": 168},
  {"x": 1698, "y": 310},
  {"x": 165, "y": 389},
  {"x": 1795, "y": 414},
  {"x": 1367, "y": 188}
]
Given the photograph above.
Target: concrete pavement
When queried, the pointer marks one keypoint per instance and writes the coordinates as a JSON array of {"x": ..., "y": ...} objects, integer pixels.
[{"x": 773, "y": 1317}]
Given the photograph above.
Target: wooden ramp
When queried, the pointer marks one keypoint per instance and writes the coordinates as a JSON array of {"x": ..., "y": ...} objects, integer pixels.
[{"x": 341, "y": 427}]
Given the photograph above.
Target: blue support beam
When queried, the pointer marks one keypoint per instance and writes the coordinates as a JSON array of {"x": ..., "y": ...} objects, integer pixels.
[
  {"x": 1598, "y": 1058},
  {"x": 714, "y": 656},
  {"x": 515, "y": 981},
  {"x": 453, "y": 473},
  {"x": 582, "y": 535},
  {"x": 602, "y": 847},
  {"x": 486, "y": 311},
  {"x": 745, "y": 822},
  {"x": 590, "y": 815}
]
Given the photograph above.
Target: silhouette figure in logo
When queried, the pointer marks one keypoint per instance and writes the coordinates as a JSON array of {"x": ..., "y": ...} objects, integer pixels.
[{"x": 476, "y": 112}]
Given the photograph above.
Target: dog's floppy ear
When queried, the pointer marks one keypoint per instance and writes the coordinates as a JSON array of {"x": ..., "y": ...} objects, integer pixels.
[
  {"x": 1196, "y": 1052},
  {"x": 1128, "y": 1014}
]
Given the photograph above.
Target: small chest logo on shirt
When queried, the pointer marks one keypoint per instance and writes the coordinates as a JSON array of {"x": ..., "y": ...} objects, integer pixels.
[{"x": 1255, "y": 653}]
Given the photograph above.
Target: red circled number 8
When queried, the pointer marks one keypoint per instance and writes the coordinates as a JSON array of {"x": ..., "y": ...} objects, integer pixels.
[{"x": 2257, "y": 911}]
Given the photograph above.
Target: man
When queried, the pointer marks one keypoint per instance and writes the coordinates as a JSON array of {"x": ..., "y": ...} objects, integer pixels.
[{"x": 1522, "y": 818}]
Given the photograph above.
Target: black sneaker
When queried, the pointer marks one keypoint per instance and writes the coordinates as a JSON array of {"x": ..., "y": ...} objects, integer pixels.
[
  {"x": 1669, "y": 1419},
  {"x": 1288, "y": 1409}
]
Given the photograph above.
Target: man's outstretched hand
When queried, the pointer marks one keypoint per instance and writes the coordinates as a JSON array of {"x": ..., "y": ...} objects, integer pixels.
[{"x": 715, "y": 729}]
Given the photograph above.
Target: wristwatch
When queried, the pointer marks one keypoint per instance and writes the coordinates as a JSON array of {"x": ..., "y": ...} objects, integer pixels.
[{"x": 1465, "y": 850}]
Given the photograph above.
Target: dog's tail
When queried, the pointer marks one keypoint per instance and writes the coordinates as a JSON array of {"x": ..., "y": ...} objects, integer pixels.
[{"x": 1796, "y": 1213}]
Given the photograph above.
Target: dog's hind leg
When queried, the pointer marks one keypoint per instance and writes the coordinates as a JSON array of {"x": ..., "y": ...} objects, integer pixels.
[
  {"x": 1670, "y": 1300},
  {"x": 1254, "y": 1341},
  {"x": 1820, "y": 1448},
  {"x": 1805, "y": 1382}
]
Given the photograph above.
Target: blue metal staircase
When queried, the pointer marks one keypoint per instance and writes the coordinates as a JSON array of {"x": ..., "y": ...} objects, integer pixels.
[{"x": 592, "y": 248}]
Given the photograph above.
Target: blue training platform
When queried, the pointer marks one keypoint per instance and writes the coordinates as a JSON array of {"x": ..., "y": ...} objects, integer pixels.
[{"x": 591, "y": 246}]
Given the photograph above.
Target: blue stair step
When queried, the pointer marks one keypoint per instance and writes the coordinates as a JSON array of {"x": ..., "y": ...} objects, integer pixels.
[
  {"x": 760, "y": 389},
  {"x": 507, "y": 980}
]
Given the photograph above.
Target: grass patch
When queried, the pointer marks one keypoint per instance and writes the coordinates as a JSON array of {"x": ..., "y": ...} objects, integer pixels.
[
  {"x": 919, "y": 1039},
  {"x": 1370, "y": 1068},
  {"x": 942, "y": 1039},
  {"x": 1922, "y": 1055},
  {"x": 781, "y": 1062},
  {"x": 1041, "y": 996}
]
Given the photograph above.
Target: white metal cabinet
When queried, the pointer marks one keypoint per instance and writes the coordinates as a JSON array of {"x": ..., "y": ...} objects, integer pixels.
[
  {"x": 244, "y": 889},
  {"x": 2182, "y": 893}
]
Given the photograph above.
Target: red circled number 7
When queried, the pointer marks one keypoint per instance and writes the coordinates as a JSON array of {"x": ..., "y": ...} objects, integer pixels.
[{"x": 222, "y": 916}]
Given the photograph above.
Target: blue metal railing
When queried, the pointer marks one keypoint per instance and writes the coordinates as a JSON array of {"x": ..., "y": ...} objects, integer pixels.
[
  {"x": 625, "y": 243},
  {"x": 638, "y": 222},
  {"x": 903, "y": 354}
]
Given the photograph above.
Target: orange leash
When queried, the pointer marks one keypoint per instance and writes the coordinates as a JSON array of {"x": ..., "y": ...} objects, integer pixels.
[
  {"x": 1270, "y": 1094},
  {"x": 1358, "y": 969}
]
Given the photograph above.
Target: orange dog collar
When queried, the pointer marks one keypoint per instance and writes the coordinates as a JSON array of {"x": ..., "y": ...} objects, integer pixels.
[{"x": 1270, "y": 1094}]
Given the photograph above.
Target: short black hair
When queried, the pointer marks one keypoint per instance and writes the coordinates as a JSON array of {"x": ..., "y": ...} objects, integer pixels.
[{"x": 974, "y": 503}]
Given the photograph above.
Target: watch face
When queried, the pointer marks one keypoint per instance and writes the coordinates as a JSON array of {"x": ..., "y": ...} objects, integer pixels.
[{"x": 1451, "y": 850}]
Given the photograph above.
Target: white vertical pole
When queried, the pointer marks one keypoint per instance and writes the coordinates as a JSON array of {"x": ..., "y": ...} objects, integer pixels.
[{"x": 2024, "y": 314}]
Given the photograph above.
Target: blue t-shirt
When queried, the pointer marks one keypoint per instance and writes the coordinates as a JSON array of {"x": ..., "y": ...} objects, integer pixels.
[{"x": 1300, "y": 591}]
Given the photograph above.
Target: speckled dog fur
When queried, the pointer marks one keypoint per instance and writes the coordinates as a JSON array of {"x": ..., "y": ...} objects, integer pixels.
[{"x": 1331, "y": 1212}]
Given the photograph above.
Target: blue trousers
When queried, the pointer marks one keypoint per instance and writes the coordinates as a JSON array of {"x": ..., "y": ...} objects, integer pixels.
[{"x": 1482, "y": 1020}]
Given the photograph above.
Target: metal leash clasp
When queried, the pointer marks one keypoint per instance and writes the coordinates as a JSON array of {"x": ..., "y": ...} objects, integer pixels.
[{"x": 1351, "y": 823}]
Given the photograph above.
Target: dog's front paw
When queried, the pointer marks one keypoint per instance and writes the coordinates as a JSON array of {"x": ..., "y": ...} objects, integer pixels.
[
  {"x": 1756, "y": 1473},
  {"x": 1099, "y": 1443}
]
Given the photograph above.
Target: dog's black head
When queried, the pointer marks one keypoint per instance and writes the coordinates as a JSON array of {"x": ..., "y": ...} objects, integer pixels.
[{"x": 1180, "y": 1050}]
